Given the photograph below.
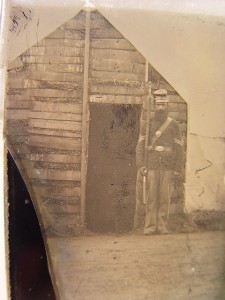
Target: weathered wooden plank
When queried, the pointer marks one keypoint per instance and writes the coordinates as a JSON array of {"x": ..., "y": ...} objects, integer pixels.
[
  {"x": 51, "y": 132},
  {"x": 18, "y": 104},
  {"x": 55, "y": 116},
  {"x": 116, "y": 76},
  {"x": 115, "y": 99},
  {"x": 35, "y": 51},
  {"x": 64, "y": 210},
  {"x": 126, "y": 83},
  {"x": 52, "y": 124},
  {"x": 19, "y": 92},
  {"x": 64, "y": 51},
  {"x": 62, "y": 33},
  {"x": 58, "y": 192},
  {"x": 58, "y": 68},
  {"x": 56, "y": 100},
  {"x": 61, "y": 85},
  {"x": 117, "y": 66},
  {"x": 26, "y": 165},
  {"x": 55, "y": 50},
  {"x": 57, "y": 166},
  {"x": 16, "y": 127},
  {"x": 55, "y": 93},
  {"x": 79, "y": 20},
  {"x": 55, "y": 142},
  {"x": 19, "y": 150},
  {"x": 38, "y": 149},
  {"x": 54, "y": 157},
  {"x": 64, "y": 42},
  {"x": 49, "y": 59},
  {"x": 74, "y": 25},
  {"x": 57, "y": 107},
  {"x": 17, "y": 114},
  {"x": 64, "y": 175},
  {"x": 57, "y": 76},
  {"x": 98, "y": 21},
  {"x": 53, "y": 201},
  {"x": 120, "y": 44},
  {"x": 108, "y": 32},
  {"x": 16, "y": 82},
  {"x": 15, "y": 75},
  {"x": 125, "y": 55},
  {"x": 55, "y": 183},
  {"x": 18, "y": 140},
  {"x": 17, "y": 98},
  {"x": 117, "y": 90}
]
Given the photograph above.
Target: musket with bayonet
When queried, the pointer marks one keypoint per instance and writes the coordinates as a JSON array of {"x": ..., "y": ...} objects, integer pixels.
[{"x": 148, "y": 107}]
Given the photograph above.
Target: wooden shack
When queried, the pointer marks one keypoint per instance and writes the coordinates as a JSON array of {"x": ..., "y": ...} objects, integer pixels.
[{"x": 72, "y": 122}]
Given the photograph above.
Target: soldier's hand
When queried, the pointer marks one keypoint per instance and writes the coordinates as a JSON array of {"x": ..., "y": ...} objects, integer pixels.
[
  {"x": 177, "y": 179},
  {"x": 143, "y": 171}
]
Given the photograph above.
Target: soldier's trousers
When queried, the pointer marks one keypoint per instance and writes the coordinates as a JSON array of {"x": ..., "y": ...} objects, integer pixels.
[{"x": 159, "y": 184}]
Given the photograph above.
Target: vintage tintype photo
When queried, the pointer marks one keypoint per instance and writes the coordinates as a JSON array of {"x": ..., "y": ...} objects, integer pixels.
[{"x": 110, "y": 159}]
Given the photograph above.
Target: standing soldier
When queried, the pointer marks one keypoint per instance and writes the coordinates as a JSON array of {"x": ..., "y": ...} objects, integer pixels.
[{"x": 160, "y": 162}]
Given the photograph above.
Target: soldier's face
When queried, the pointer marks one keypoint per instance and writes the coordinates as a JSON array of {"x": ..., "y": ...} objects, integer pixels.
[{"x": 161, "y": 106}]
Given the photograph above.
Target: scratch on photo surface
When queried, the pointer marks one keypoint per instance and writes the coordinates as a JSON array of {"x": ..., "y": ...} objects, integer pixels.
[{"x": 20, "y": 17}]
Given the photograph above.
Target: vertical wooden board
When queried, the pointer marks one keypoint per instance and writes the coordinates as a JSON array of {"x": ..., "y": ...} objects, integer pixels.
[{"x": 86, "y": 115}]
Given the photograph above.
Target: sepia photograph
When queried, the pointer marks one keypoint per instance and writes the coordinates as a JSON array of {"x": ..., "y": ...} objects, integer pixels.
[{"x": 114, "y": 151}]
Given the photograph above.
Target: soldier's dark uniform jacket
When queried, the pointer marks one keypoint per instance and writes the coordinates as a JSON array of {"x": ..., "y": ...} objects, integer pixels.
[{"x": 170, "y": 140}]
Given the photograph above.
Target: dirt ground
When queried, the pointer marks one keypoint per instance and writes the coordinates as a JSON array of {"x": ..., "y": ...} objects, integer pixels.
[{"x": 138, "y": 267}]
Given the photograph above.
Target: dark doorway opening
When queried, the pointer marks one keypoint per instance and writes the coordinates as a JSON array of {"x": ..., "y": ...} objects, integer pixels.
[
  {"x": 29, "y": 276},
  {"x": 113, "y": 134}
]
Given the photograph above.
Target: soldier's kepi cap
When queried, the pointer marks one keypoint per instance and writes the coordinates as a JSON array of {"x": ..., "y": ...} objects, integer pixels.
[{"x": 161, "y": 96}]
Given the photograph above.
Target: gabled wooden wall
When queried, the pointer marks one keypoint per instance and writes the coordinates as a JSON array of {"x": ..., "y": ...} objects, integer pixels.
[
  {"x": 44, "y": 124},
  {"x": 44, "y": 114}
]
